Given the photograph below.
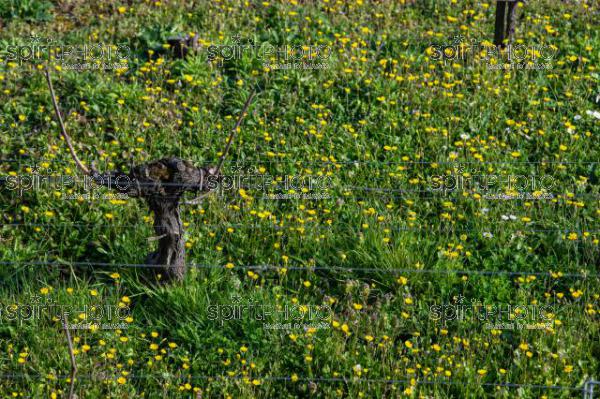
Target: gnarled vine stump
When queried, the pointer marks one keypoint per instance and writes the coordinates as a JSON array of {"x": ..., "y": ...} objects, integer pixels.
[{"x": 162, "y": 184}]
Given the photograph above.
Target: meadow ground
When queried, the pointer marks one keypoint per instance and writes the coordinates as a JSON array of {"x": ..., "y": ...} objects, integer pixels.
[{"x": 399, "y": 273}]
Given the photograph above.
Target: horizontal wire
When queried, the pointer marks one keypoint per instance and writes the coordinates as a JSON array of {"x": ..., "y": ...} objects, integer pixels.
[
  {"x": 311, "y": 227},
  {"x": 123, "y": 186},
  {"x": 269, "y": 161},
  {"x": 376, "y": 196},
  {"x": 447, "y": 191},
  {"x": 12, "y": 376},
  {"x": 330, "y": 190},
  {"x": 283, "y": 185},
  {"x": 328, "y": 197},
  {"x": 267, "y": 267}
]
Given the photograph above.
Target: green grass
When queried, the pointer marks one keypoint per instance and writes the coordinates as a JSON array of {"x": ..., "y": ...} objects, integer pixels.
[{"x": 381, "y": 115}]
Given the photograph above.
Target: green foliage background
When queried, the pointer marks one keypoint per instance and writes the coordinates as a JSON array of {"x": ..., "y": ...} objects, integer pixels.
[{"x": 381, "y": 121}]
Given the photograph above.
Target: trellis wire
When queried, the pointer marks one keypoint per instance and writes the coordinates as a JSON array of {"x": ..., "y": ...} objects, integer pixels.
[
  {"x": 267, "y": 267},
  {"x": 306, "y": 227},
  {"x": 346, "y": 380},
  {"x": 375, "y": 197},
  {"x": 588, "y": 388},
  {"x": 375, "y": 162}
]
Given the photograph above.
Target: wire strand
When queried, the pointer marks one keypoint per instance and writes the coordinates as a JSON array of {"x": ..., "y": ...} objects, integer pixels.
[
  {"x": 357, "y": 161},
  {"x": 267, "y": 267},
  {"x": 346, "y": 380},
  {"x": 310, "y": 227}
]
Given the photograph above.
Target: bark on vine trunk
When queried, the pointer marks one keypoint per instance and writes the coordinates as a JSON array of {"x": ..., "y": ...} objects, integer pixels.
[
  {"x": 505, "y": 21},
  {"x": 162, "y": 184},
  {"x": 500, "y": 29},
  {"x": 511, "y": 19},
  {"x": 171, "y": 244}
]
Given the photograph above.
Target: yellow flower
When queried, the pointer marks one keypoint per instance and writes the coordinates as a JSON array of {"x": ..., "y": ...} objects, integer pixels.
[
  {"x": 523, "y": 346},
  {"x": 482, "y": 372},
  {"x": 121, "y": 380}
]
